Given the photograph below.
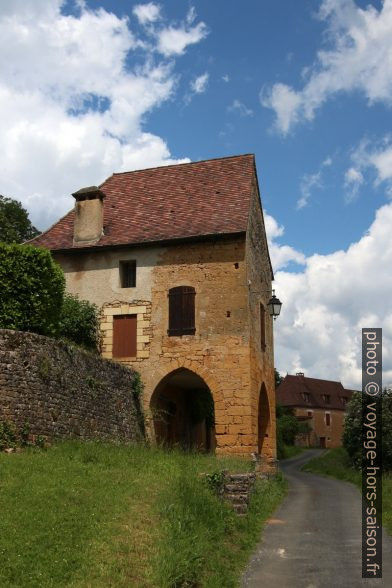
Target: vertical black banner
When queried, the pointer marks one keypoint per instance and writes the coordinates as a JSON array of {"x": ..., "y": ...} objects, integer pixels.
[{"x": 371, "y": 453}]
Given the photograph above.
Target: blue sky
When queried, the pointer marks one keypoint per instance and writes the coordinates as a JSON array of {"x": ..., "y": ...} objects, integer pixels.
[{"x": 89, "y": 88}]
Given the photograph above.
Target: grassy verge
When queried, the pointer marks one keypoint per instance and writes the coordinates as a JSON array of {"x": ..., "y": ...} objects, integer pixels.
[
  {"x": 98, "y": 515},
  {"x": 292, "y": 450},
  {"x": 335, "y": 463}
]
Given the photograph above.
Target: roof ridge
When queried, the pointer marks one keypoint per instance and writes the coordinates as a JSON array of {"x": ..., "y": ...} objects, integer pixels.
[{"x": 178, "y": 164}]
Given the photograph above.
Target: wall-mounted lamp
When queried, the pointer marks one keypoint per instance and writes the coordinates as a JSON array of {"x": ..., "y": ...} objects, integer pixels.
[{"x": 274, "y": 306}]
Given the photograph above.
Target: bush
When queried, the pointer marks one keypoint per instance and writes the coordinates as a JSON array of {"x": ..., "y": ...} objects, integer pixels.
[
  {"x": 288, "y": 428},
  {"x": 352, "y": 434},
  {"x": 32, "y": 287},
  {"x": 79, "y": 322}
]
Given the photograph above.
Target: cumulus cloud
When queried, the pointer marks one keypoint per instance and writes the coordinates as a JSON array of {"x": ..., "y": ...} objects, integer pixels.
[
  {"x": 199, "y": 84},
  {"x": 71, "y": 106},
  {"x": 359, "y": 58},
  {"x": 281, "y": 255},
  {"x": 146, "y": 13},
  {"x": 174, "y": 40},
  {"x": 238, "y": 106},
  {"x": 327, "y": 305}
]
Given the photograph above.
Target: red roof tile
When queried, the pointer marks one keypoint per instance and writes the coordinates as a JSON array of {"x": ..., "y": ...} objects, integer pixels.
[
  {"x": 173, "y": 202},
  {"x": 293, "y": 390}
]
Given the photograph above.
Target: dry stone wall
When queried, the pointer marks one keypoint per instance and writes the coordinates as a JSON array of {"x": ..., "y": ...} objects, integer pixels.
[{"x": 64, "y": 392}]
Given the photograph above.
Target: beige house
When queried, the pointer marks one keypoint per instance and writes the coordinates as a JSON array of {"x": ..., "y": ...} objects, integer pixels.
[
  {"x": 320, "y": 403},
  {"x": 177, "y": 260}
]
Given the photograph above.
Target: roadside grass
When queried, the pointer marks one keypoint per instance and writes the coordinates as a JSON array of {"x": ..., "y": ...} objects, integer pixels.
[
  {"x": 97, "y": 515},
  {"x": 335, "y": 463},
  {"x": 292, "y": 450}
]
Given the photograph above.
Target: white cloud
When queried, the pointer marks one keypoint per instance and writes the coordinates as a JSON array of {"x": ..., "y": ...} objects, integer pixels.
[
  {"x": 359, "y": 59},
  {"x": 199, "y": 84},
  {"x": 226, "y": 78},
  {"x": 240, "y": 107},
  {"x": 326, "y": 306},
  {"x": 353, "y": 179},
  {"x": 281, "y": 255},
  {"x": 310, "y": 182},
  {"x": 174, "y": 40},
  {"x": 71, "y": 106},
  {"x": 146, "y": 13},
  {"x": 374, "y": 156}
]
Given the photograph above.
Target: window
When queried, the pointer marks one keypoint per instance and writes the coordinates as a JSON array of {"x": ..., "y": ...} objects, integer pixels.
[
  {"x": 326, "y": 398},
  {"x": 181, "y": 311},
  {"x": 310, "y": 414},
  {"x": 128, "y": 274},
  {"x": 262, "y": 327},
  {"x": 327, "y": 419},
  {"x": 344, "y": 400},
  {"x": 306, "y": 396},
  {"x": 124, "y": 335}
]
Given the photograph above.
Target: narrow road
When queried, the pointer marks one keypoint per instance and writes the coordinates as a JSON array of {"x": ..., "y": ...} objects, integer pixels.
[{"x": 314, "y": 538}]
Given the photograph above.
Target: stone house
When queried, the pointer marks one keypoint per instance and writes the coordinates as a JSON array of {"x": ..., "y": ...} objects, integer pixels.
[
  {"x": 320, "y": 403},
  {"x": 176, "y": 258}
]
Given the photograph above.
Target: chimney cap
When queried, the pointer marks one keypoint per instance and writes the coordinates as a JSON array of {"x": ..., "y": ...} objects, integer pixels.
[
  {"x": 300, "y": 374},
  {"x": 89, "y": 193}
]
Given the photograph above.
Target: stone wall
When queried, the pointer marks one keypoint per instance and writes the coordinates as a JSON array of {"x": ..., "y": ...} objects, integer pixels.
[
  {"x": 64, "y": 392},
  {"x": 332, "y": 433}
]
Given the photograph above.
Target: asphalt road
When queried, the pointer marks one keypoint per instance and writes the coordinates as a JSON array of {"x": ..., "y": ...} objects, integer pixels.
[{"x": 314, "y": 538}]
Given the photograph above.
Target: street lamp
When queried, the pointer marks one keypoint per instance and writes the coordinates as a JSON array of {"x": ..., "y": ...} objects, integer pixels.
[{"x": 274, "y": 306}]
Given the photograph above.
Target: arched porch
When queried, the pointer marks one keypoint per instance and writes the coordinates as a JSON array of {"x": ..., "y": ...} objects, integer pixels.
[{"x": 182, "y": 408}]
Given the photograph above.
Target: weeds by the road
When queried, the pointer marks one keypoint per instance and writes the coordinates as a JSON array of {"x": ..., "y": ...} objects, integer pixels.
[
  {"x": 335, "y": 463},
  {"x": 94, "y": 515}
]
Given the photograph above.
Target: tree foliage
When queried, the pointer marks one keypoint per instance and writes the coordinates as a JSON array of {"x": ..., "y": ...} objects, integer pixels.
[
  {"x": 79, "y": 322},
  {"x": 352, "y": 435},
  {"x": 32, "y": 287},
  {"x": 15, "y": 225},
  {"x": 278, "y": 379}
]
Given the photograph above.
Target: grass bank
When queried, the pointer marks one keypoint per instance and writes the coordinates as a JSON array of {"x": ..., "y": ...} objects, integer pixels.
[
  {"x": 96, "y": 515},
  {"x": 335, "y": 463}
]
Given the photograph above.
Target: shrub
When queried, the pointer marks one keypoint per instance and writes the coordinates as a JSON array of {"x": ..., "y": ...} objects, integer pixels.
[
  {"x": 288, "y": 428},
  {"x": 352, "y": 434},
  {"x": 32, "y": 287},
  {"x": 79, "y": 322}
]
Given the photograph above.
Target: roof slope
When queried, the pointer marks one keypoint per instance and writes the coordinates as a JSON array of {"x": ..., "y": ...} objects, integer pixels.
[
  {"x": 173, "y": 202},
  {"x": 291, "y": 393}
]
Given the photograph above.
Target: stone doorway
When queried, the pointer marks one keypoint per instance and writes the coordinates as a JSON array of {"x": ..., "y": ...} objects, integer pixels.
[
  {"x": 264, "y": 423},
  {"x": 182, "y": 407}
]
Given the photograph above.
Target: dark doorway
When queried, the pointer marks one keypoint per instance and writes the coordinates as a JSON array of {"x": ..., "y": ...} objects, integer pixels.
[
  {"x": 264, "y": 421},
  {"x": 183, "y": 412},
  {"x": 322, "y": 443}
]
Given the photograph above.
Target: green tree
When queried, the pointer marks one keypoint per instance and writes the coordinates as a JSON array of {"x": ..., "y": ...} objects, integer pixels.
[
  {"x": 352, "y": 434},
  {"x": 32, "y": 288},
  {"x": 278, "y": 378},
  {"x": 79, "y": 322},
  {"x": 15, "y": 225}
]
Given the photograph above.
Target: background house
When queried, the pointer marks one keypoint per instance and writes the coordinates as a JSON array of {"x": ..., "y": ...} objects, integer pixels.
[
  {"x": 320, "y": 403},
  {"x": 177, "y": 260}
]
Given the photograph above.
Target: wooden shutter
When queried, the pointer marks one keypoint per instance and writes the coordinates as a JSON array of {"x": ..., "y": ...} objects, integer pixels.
[
  {"x": 262, "y": 327},
  {"x": 182, "y": 311},
  {"x": 124, "y": 335}
]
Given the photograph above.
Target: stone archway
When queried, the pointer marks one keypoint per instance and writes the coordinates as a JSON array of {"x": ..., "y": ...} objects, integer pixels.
[
  {"x": 264, "y": 423},
  {"x": 182, "y": 408}
]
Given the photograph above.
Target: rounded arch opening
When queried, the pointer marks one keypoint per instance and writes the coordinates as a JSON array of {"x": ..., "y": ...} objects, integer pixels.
[
  {"x": 182, "y": 408},
  {"x": 264, "y": 422}
]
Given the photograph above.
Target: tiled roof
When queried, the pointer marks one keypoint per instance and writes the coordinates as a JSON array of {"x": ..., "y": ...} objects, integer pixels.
[
  {"x": 295, "y": 390},
  {"x": 173, "y": 202}
]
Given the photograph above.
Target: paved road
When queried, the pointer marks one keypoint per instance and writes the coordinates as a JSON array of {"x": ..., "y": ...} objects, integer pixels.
[{"x": 314, "y": 539}]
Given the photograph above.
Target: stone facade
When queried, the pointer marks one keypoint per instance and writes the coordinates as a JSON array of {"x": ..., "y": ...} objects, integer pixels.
[
  {"x": 231, "y": 278},
  {"x": 324, "y": 434},
  {"x": 63, "y": 392}
]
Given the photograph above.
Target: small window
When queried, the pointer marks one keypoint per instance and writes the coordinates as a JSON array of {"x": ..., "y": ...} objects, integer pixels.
[
  {"x": 306, "y": 396},
  {"x": 262, "y": 327},
  {"x": 327, "y": 419},
  {"x": 181, "y": 311},
  {"x": 310, "y": 414},
  {"x": 124, "y": 335},
  {"x": 326, "y": 398},
  {"x": 128, "y": 274},
  {"x": 344, "y": 400}
]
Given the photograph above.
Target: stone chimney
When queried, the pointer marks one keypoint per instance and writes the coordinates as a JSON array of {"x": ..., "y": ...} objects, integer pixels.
[
  {"x": 300, "y": 374},
  {"x": 88, "y": 224}
]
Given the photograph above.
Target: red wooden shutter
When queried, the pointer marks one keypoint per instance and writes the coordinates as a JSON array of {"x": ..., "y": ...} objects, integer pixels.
[
  {"x": 124, "y": 335},
  {"x": 327, "y": 419},
  {"x": 182, "y": 311}
]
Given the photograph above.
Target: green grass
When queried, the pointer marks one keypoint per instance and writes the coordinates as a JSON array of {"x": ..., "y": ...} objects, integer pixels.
[
  {"x": 335, "y": 463},
  {"x": 99, "y": 515},
  {"x": 292, "y": 450}
]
